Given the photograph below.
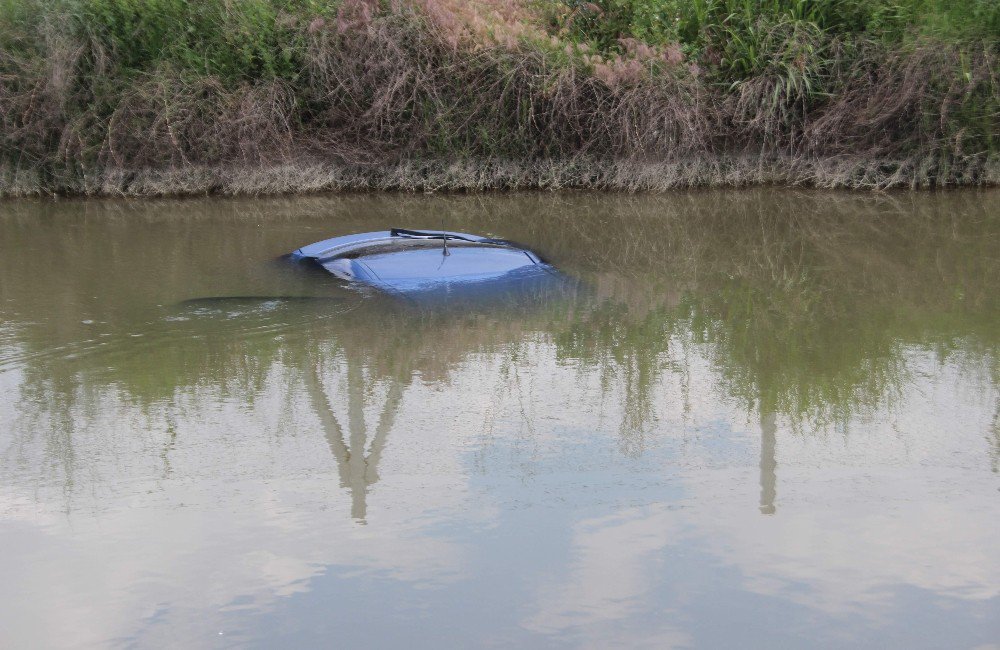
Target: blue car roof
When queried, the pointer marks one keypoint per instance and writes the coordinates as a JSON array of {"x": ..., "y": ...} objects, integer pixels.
[
  {"x": 337, "y": 246},
  {"x": 424, "y": 263}
]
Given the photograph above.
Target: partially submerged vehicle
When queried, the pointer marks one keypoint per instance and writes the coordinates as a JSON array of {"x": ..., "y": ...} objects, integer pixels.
[{"x": 428, "y": 266}]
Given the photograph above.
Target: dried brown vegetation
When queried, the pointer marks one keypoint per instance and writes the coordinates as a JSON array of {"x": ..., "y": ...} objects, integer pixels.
[{"x": 431, "y": 96}]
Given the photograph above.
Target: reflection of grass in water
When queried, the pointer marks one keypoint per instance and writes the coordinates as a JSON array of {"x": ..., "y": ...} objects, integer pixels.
[
  {"x": 798, "y": 359},
  {"x": 765, "y": 359},
  {"x": 628, "y": 348},
  {"x": 995, "y": 440},
  {"x": 815, "y": 327},
  {"x": 807, "y": 312},
  {"x": 815, "y": 358},
  {"x": 803, "y": 303}
]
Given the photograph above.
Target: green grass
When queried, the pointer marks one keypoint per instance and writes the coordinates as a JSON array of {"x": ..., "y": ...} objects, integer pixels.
[
  {"x": 907, "y": 89},
  {"x": 700, "y": 24},
  {"x": 249, "y": 39}
]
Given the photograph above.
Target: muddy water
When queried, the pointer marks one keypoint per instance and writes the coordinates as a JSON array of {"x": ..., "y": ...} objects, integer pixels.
[{"x": 767, "y": 418}]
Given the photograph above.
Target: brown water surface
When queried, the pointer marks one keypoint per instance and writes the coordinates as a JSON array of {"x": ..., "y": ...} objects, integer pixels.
[{"x": 768, "y": 418}]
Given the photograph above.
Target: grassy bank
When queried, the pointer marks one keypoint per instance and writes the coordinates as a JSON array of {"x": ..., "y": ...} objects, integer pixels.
[{"x": 170, "y": 97}]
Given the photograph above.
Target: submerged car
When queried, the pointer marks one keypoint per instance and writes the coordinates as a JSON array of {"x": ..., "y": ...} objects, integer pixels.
[{"x": 425, "y": 265}]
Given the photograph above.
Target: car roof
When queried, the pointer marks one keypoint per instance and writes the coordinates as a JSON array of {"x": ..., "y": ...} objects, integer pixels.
[
  {"x": 423, "y": 263},
  {"x": 340, "y": 246}
]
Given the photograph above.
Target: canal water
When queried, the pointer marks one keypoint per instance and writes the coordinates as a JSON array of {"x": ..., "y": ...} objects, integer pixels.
[{"x": 765, "y": 418}]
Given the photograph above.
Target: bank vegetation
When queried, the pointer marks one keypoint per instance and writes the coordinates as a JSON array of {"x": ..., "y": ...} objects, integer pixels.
[{"x": 147, "y": 97}]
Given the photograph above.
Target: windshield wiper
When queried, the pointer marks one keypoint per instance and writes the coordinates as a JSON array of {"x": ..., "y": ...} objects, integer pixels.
[{"x": 429, "y": 234}]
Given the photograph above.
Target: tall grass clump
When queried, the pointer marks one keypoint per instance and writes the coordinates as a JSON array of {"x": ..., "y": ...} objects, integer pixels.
[{"x": 159, "y": 96}]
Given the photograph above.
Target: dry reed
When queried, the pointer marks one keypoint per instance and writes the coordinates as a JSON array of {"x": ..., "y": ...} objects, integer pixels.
[{"x": 407, "y": 99}]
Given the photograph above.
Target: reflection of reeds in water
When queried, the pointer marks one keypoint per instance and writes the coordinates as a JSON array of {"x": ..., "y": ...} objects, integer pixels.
[
  {"x": 628, "y": 349},
  {"x": 805, "y": 304},
  {"x": 993, "y": 439},
  {"x": 357, "y": 459}
]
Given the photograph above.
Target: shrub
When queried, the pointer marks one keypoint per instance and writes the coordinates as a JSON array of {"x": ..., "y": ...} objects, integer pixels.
[
  {"x": 726, "y": 91},
  {"x": 249, "y": 39}
]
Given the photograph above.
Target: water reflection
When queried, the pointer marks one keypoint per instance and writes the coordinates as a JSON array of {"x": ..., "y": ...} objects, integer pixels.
[
  {"x": 768, "y": 464},
  {"x": 593, "y": 469},
  {"x": 358, "y": 470}
]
